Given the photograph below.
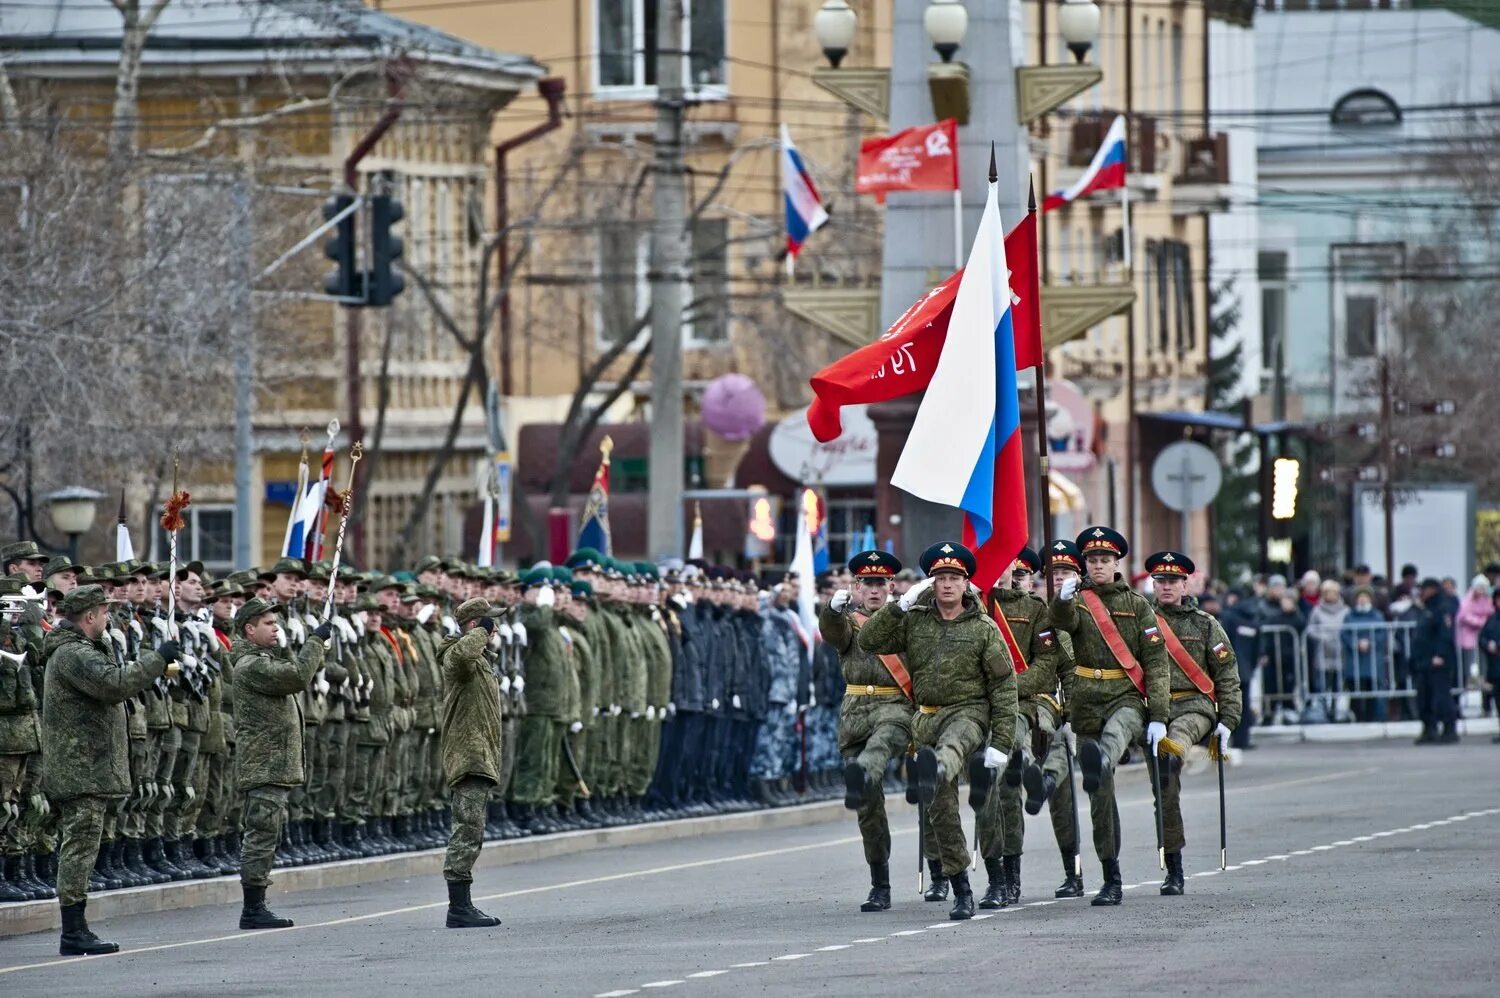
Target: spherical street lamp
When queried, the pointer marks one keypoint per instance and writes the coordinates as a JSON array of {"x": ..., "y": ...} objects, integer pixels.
[
  {"x": 73, "y": 510},
  {"x": 834, "y": 24},
  {"x": 946, "y": 22},
  {"x": 1078, "y": 20}
]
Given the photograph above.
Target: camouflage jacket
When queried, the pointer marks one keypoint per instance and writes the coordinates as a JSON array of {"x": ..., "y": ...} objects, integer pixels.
[
  {"x": 20, "y": 731},
  {"x": 952, "y": 662},
  {"x": 658, "y": 649},
  {"x": 547, "y": 663},
  {"x": 861, "y": 668},
  {"x": 1091, "y": 700},
  {"x": 268, "y": 713},
  {"x": 1031, "y": 625},
  {"x": 85, "y": 750},
  {"x": 470, "y": 739},
  {"x": 1205, "y": 641},
  {"x": 630, "y": 663}
]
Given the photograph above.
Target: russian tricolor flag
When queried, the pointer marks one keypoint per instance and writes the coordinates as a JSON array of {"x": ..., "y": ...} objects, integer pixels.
[
  {"x": 1105, "y": 173},
  {"x": 964, "y": 449},
  {"x": 804, "y": 208}
]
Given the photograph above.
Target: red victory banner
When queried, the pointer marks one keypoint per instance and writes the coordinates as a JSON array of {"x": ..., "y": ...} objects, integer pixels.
[{"x": 923, "y": 158}]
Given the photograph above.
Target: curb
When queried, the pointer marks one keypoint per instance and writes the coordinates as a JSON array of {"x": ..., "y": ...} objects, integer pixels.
[
  {"x": 45, "y": 916},
  {"x": 1364, "y": 731}
]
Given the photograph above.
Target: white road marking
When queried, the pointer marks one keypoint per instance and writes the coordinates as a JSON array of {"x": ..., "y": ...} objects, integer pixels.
[
  {"x": 871, "y": 939},
  {"x": 661, "y": 984},
  {"x": 708, "y": 973},
  {"x": 946, "y": 925},
  {"x": 908, "y": 932},
  {"x": 617, "y": 994},
  {"x": 741, "y": 966}
]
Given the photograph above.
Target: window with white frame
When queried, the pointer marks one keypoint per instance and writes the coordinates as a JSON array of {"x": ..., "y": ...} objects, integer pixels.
[
  {"x": 1366, "y": 288},
  {"x": 623, "y": 268},
  {"x": 1272, "y": 272},
  {"x": 626, "y": 33},
  {"x": 207, "y": 536}
]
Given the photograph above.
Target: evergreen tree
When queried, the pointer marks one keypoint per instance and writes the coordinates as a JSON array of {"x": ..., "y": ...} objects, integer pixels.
[{"x": 1236, "y": 519}]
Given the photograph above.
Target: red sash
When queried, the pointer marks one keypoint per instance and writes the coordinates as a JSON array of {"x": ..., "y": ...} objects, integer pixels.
[
  {"x": 1185, "y": 661},
  {"x": 997, "y": 615},
  {"x": 1112, "y": 638},
  {"x": 893, "y": 664},
  {"x": 395, "y": 646}
]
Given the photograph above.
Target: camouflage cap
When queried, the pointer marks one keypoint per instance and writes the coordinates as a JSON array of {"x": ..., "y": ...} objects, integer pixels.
[
  {"x": 61, "y": 563},
  {"x": 290, "y": 566},
  {"x": 383, "y": 582},
  {"x": 11, "y": 585},
  {"x": 319, "y": 572},
  {"x": 429, "y": 592},
  {"x": 430, "y": 563},
  {"x": 81, "y": 599},
  {"x": 472, "y": 609},
  {"x": 21, "y": 551},
  {"x": 254, "y": 607},
  {"x": 243, "y": 578},
  {"x": 366, "y": 603}
]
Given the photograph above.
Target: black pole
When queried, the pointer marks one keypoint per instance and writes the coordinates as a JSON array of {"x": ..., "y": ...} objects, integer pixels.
[{"x": 1043, "y": 473}]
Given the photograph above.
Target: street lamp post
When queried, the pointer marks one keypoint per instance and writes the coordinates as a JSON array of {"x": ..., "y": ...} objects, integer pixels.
[
  {"x": 834, "y": 24},
  {"x": 73, "y": 510}
]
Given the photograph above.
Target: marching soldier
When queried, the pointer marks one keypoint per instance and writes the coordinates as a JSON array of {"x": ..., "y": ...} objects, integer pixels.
[
  {"x": 875, "y": 715},
  {"x": 1001, "y": 827},
  {"x": 269, "y": 730},
  {"x": 1064, "y": 561},
  {"x": 1206, "y": 699},
  {"x": 471, "y": 752},
  {"x": 1121, "y": 668},
  {"x": 965, "y": 690},
  {"x": 84, "y": 742}
]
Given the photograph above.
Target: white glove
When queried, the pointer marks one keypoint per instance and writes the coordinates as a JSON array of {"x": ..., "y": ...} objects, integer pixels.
[
  {"x": 687, "y": 597},
  {"x": 840, "y": 601},
  {"x": 576, "y": 727},
  {"x": 425, "y": 614},
  {"x": 298, "y": 633},
  {"x": 635, "y": 715},
  {"x": 507, "y": 635},
  {"x": 596, "y": 711},
  {"x": 546, "y": 597},
  {"x": 496, "y": 640},
  {"x": 311, "y": 621},
  {"x": 671, "y": 710},
  {"x": 614, "y": 710},
  {"x": 280, "y": 636},
  {"x": 1069, "y": 589},
  {"x": 993, "y": 757},
  {"x": 791, "y": 710},
  {"x": 137, "y": 629},
  {"x": 115, "y": 636},
  {"x": 160, "y": 629},
  {"x": 909, "y": 598},
  {"x": 450, "y": 626},
  {"x": 680, "y": 601},
  {"x": 734, "y": 702},
  {"x": 519, "y": 685},
  {"x": 812, "y": 700},
  {"x": 504, "y": 684},
  {"x": 359, "y": 624},
  {"x": 1155, "y": 732},
  {"x": 650, "y": 713},
  {"x": 345, "y": 631},
  {"x": 321, "y": 683},
  {"x": 1222, "y": 734},
  {"x": 519, "y": 630}
]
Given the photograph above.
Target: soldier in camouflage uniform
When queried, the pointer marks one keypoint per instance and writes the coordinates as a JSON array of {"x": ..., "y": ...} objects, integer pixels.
[
  {"x": 471, "y": 752},
  {"x": 20, "y": 743},
  {"x": 1206, "y": 699},
  {"x": 657, "y": 661},
  {"x": 539, "y": 742},
  {"x": 1106, "y": 707},
  {"x": 1001, "y": 826},
  {"x": 965, "y": 687},
  {"x": 84, "y": 742},
  {"x": 34, "y": 829},
  {"x": 372, "y": 734},
  {"x": 875, "y": 716},
  {"x": 271, "y": 762},
  {"x": 580, "y": 709}
]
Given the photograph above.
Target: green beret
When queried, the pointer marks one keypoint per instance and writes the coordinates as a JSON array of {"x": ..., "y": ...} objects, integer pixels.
[
  {"x": 472, "y": 609},
  {"x": 254, "y": 607},
  {"x": 81, "y": 599}
]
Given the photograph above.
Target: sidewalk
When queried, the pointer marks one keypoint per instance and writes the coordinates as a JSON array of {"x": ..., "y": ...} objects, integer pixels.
[
  {"x": 44, "y": 916},
  {"x": 1366, "y": 731}
]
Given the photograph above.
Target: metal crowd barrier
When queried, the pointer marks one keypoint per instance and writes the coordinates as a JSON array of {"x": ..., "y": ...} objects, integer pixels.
[{"x": 1321, "y": 675}]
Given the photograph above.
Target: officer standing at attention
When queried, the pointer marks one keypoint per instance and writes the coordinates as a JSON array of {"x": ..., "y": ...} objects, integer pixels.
[
  {"x": 875, "y": 716},
  {"x": 965, "y": 690},
  {"x": 1121, "y": 667},
  {"x": 1205, "y": 693}
]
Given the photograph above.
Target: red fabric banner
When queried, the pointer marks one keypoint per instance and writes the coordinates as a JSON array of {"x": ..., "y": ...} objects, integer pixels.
[{"x": 922, "y": 158}]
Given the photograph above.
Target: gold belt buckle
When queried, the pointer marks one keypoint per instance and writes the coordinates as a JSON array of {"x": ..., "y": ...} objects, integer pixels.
[
  {"x": 869, "y": 690},
  {"x": 1098, "y": 673}
]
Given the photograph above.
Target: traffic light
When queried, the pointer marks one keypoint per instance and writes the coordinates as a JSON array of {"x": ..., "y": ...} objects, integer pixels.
[
  {"x": 344, "y": 280},
  {"x": 385, "y": 250}
]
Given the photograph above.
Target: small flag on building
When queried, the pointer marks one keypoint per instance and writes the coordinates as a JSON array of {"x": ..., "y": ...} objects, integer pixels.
[{"x": 804, "y": 208}]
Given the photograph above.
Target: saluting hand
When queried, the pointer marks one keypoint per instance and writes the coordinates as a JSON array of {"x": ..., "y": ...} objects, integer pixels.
[
  {"x": 909, "y": 598},
  {"x": 840, "y": 601},
  {"x": 1069, "y": 589}
]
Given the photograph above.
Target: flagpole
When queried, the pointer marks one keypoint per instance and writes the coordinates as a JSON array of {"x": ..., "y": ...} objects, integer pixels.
[
  {"x": 1043, "y": 472},
  {"x": 958, "y": 228},
  {"x": 1125, "y": 224}
]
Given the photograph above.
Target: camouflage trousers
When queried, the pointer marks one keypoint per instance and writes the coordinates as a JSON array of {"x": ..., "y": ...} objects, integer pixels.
[
  {"x": 1002, "y": 824},
  {"x": 175, "y": 823},
  {"x": 645, "y": 749},
  {"x": 823, "y": 738},
  {"x": 366, "y": 778},
  {"x": 885, "y": 742},
  {"x": 509, "y": 731},
  {"x": 468, "y": 797},
  {"x": 82, "y": 825},
  {"x": 776, "y": 746},
  {"x": 213, "y": 818},
  {"x": 397, "y": 774},
  {"x": 333, "y": 745},
  {"x": 166, "y": 742},
  {"x": 301, "y": 802},
  {"x": 12, "y": 774},
  {"x": 596, "y": 770},
  {"x": 1120, "y": 730},
  {"x": 192, "y": 805},
  {"x": 954, "y": 733},
  {"x": 142, "y": 776},
  {"x": 1186, "y": 729},
  {"x": 264, "y": 819},
  {"x": 622, "y": 744},
  {"x": 539, "y": 747},
  {"x": 567, "y": 781}
]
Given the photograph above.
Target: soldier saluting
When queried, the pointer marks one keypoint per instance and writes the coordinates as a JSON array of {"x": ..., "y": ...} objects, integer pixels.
[
  {"x": 965, "y": 691},
  {"x": 1205, "y": 693},
  {"x": 1121, "y": 669},
  {"x": 875, "y": 715}
]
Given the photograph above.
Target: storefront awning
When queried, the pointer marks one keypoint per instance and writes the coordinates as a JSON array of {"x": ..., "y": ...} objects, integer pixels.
[{"x": 1062, "y": 495}]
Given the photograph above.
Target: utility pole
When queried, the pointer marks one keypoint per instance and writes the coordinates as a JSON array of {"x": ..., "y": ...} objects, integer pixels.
[
  {"x": 1388, "y": 463},
  {"x": 243, "y": 338},
  {"x": 668, "y": 277}
]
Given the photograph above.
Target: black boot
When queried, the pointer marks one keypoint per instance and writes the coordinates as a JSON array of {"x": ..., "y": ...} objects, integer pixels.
[
  {"x": 461, "y": 911},
  {"x": 1013, "y": 767},
  {"x": 963, "y": 897},
  {"x": 1072, "y": 885},
  {"x": 1039, "y": 788},
  {"x": 155, "y": 860},
  {"x": 938, "y": 889},
  {"x": 77, "y": 940},
  {"x": 120, "y": 868},
  {"x": 1110, "y": 893},
  {"x": 188, "y": 848},
  {"x": 136, "y": 864},
  {"x": 926, "y": 767},
  {"x": 256, "y": 915},
  {"x": 980, "y": 778},
  {"x": 31, "y": 880},
  {"x": 1091, "y": 761},
  {"x": 98, "y": 879},
  {"x": 854, "y": 786},
  {"x": 1012, "y": 880},
  {"x": 1449, "y": 735},
  {"x": 107, "y": 868},
  {"x": 994, "y": 894},
  {"x": 167, "y": 853},
  {"x": 910, "y": 768},
  {"x": 1173, "y": 884},
  {"x": 10, "y": 891},
  {"x": 1428, "y": 735},
  {"x": 880, "y": 888}
]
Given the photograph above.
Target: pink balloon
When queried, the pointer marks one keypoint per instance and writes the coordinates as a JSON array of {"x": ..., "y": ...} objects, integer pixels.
[{"x": 733, "y": 407}]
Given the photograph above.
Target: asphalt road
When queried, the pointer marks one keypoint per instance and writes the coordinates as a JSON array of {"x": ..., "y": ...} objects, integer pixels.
[{"x": 1359, "y": 868}]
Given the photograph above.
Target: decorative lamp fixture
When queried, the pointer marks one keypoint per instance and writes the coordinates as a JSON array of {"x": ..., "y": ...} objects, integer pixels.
[
  {"x": 1078, "y": 20},
  {"x": 946, "y": 22},
  {"x": 834, "y": 24}
]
